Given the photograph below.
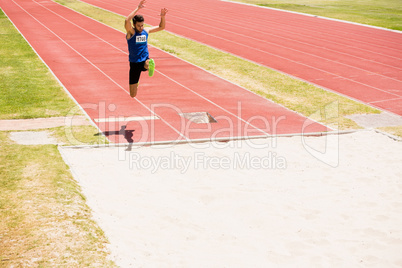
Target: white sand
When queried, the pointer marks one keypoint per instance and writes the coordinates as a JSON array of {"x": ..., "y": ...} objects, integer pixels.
[{"x": 240, "y": 206}]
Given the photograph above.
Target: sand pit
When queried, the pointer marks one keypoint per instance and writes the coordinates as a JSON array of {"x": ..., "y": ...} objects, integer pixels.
[{"x": 286, "y": 202}]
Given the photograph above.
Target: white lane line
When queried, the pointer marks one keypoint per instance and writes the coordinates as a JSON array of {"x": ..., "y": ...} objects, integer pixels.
[
  {"x": 125, "y": 119},
  {"x": 386, "y": 100}
]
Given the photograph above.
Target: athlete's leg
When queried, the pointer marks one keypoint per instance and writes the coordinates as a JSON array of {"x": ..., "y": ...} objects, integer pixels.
[
  {"x": 133, "y": 90},
  {"x": 135, "y": 72}
]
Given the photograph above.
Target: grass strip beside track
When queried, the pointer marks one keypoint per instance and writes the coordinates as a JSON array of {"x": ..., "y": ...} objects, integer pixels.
[
  {"x": 386, "y": 13},
  {"x": 396, "y": 131},
  {"x": 45, "y": 219}
]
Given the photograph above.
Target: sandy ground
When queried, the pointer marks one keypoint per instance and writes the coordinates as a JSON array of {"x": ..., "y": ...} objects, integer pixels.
[{"x": 331, "y": 201}]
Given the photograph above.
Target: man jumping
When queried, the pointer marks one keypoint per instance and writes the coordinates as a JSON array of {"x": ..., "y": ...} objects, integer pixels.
[{"x": 137, "y": 40}]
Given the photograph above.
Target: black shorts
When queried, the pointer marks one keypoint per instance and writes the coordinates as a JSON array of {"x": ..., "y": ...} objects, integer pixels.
[{"x": 135, "y": 71}]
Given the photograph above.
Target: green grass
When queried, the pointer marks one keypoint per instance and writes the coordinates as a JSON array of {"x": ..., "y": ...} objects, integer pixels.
[
  {"x": 27, "y": 88},
  {"x": 396, "y": 131},
  {"x": 386, "y": 13},
  {"x": 45, "y": 220}
]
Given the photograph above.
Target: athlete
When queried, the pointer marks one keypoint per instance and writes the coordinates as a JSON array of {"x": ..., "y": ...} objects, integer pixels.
[{"x": 137, "y": 40}]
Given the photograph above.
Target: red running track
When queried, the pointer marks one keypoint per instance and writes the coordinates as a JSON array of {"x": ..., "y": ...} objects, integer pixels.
[
  {"x": 90, "y": 59},
  {"x": 361, "y": 62}
]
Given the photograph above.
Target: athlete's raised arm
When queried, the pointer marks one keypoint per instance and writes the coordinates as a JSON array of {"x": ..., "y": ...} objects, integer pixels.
[
  {"x": 162, "y": 23},
  {"x": 127, "y": 22}
]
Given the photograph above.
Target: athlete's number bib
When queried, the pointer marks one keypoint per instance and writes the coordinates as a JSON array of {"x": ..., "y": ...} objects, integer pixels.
[{"x": 141, "y": 39}]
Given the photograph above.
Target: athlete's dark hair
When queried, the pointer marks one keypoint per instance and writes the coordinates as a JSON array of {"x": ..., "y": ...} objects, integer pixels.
[{"x": 138, "y": 18}]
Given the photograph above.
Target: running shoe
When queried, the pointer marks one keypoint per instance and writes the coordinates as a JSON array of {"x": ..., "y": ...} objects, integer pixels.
[{"x": 151, "y": 67}]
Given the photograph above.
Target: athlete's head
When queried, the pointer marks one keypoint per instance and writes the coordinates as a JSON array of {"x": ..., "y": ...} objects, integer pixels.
[{"x": 138, "y": 22}]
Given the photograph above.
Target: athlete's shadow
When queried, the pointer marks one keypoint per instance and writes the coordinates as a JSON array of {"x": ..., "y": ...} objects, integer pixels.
[{"x": 127, "y": 134}]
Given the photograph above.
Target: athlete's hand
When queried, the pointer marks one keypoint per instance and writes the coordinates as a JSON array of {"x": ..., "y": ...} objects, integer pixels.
[
  {"x": 163, "y": 12},
  {"x": 141, "y": 4}
]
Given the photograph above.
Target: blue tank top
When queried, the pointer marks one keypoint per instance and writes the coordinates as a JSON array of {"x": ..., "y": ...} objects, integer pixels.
[{"x": 138, "y": 47}]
